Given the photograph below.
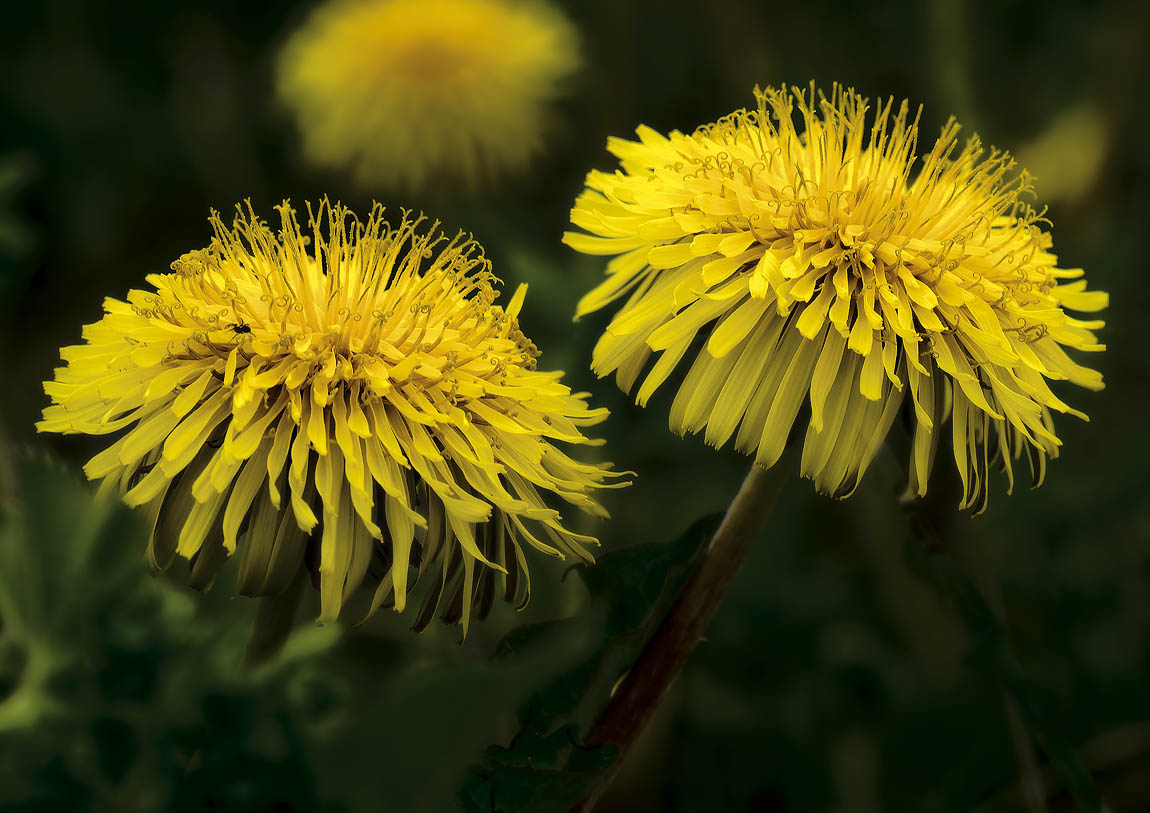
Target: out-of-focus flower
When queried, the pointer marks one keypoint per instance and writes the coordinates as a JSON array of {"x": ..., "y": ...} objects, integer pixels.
[
  {"x": 414, "y": 92},
  {"x": 1067, "y": 157},
  {"x": 16, "y": 240},
  {"x": 821, "y": 267},
  {"x": 355, "y": 387},
  {"x": 15, "y": 171}
]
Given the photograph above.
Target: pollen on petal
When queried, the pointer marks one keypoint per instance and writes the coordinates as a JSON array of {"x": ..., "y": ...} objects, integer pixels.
[
  {"x": 825, "y": 260},
  {"x": 364, "y": 371}
]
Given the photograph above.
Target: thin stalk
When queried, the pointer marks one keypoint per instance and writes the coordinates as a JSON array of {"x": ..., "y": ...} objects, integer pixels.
[
  {"x": 932, "y": 523},
  {"x": 983, "y": 573},
  {"x": 1031, "y": 788},
  {"x": 661, "y": 661}
]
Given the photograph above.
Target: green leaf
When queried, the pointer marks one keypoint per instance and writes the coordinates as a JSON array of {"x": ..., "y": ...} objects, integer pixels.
[
  {"x": 546, "y": 767},
  {"x": 548, "y": 773},
  {"x": 429, "y": 723}
]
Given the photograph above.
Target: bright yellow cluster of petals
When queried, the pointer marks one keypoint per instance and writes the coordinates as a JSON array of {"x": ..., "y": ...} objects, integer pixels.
[
  {"x": 366, "y": 385},
  {"x": 409, "y": 92},
  {"x": 822, "y": 267}
]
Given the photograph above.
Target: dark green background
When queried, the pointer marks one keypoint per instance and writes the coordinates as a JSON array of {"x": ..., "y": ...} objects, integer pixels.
[{"x": 835, "y": 677}]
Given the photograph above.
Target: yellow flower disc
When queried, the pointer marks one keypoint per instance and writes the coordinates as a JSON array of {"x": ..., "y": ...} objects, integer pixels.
[
  {"x": 412, "y": 92},
  {"x": 351, "y": 399},
  {"x": 828, "y": 263}
]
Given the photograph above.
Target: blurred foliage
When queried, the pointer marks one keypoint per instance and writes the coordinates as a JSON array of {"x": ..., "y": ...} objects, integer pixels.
[
  {"x": 837, "y": 675},
  {"x": 120, "y": 691},
  {"x": 115, "y": 687}
]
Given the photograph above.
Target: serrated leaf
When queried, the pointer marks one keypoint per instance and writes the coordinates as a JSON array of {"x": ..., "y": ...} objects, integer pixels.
[
  {"x": 430, "y": 723},
  {"x": 546, "y": 767},
  {"x": 567, "y": 774}
]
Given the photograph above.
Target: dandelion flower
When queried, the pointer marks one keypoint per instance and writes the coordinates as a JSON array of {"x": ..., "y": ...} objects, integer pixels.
[
  {"x": 412, "y": 92},
  {"x": 353, "y": 399},
  {"x": 821, "y": 262}
]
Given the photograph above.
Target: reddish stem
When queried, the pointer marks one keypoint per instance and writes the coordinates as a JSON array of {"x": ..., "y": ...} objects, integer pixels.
[{"x": 661, "y": 661}]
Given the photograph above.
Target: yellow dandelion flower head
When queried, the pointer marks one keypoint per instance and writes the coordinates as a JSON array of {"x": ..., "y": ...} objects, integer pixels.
[
  {"x": 348, "y": 399},
  {"x": 408, "y": 92},
  {"x": 825, "y": 262}
]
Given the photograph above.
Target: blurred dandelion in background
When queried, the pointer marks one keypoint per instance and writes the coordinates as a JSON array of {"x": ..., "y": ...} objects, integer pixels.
[
  {"x": 831, "y": 266},
  {"x": 1068, "y": 156},
  {"x": 16, "y": 239},
  {"x": 358, "y": 383},
  {"x": 15, "y": 172},
  {"x": 410, "y": 93}
]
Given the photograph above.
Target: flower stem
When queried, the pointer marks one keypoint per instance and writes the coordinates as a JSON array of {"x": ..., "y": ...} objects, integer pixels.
[
  {"x": 661, "y": 661},
  {"x": 932, "y": 525}
]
